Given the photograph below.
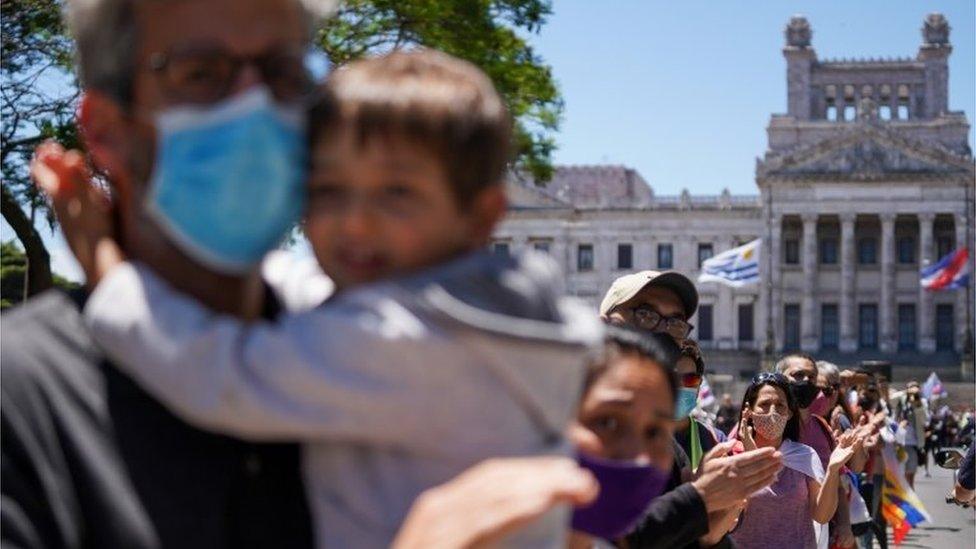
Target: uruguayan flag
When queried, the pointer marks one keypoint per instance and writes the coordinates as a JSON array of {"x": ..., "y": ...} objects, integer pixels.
[{"x": 735, "y": 267}]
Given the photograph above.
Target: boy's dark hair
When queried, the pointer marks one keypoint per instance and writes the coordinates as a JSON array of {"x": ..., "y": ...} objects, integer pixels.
[
  {"x": 778, "y": 380},
  {"x": 438, "y": 100},
  {"x": 621, "y": 341}
]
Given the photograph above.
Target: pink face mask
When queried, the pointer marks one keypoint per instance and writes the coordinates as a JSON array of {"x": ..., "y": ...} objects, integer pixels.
[
  {"x": 819, "y": 405},
  {"x": 769, "y": 426}
]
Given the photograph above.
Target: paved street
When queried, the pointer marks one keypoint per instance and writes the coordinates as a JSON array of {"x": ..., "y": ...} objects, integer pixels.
[{"x": 952, "y": 526}]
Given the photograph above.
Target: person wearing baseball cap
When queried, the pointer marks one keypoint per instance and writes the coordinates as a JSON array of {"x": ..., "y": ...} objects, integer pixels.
[{"x": 656, "y": 301}]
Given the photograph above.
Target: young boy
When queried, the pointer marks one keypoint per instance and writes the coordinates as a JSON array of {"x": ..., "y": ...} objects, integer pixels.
[{"x": 400, "y": 384}]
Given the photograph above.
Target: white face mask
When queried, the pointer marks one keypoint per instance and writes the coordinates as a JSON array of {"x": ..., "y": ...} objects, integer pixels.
[{"x": 770, "y": 426}]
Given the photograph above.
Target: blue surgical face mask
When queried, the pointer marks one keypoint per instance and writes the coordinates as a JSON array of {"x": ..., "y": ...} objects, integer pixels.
[
  {"x": 685, "y": 403},
  {"x": 228, "y": 180}
]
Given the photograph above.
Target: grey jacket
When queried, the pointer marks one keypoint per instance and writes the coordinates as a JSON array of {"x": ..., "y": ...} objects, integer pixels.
[{"x": 394, "y": 387}]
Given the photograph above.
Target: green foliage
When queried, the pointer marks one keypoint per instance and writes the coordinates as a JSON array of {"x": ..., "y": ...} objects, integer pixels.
[
  {"x": 13, "y": 266},
  {"x": 489, "y": 33},
  {"x": 39, "y": 90}
]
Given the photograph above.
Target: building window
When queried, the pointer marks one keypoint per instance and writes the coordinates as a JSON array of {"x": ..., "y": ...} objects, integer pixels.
[
  {"x": 867, "y": 251},
  {"x": 704, "y": 326},
  {"x": 884, "y": 112},
  {"x": 944, "y": 247},
  {"x": 745, "y": 322},
  {"x": 906, "y": 250},
  {"x": 868, "y": 326},
  {"x": 829, "y": 326},
  {"x": 625, "y": 256},
  {"x": 791, "y": 251},
  {"x": 944, "y": 327},
  {"x": 902, "y": 112},
  {"x": 705, "y": 251},
  {"x": 542, "y": 246},
  {"x": 849, "y": 113},
  {"x": 828, "y": 251},
  {"x": 665, "y": 256},
  {"x": 791, "y": 327},
  {"x": 501, "y": 248},
  {"x": 906, "y": 326},
  {"x": 584, "y": 257},
  {"x": 832, "y": 112}
]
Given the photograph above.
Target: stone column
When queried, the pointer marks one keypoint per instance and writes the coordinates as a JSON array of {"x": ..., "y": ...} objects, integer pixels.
[
  {"x": 926, "y": 252},
  {"x": 775, "y": 304},
  {"x": 962, "y": 299},
  {"x": 809, "y": 340},
  {"x": 848, "y": 334},
  {"x": 887, "y": 310}
]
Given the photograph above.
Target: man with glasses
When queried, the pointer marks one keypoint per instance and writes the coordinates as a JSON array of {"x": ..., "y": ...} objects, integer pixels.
[
  {"x": 652, "y": 300},
  {"x": 194, "y": 114}
]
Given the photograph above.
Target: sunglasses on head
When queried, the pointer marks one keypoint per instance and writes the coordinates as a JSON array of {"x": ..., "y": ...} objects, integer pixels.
[{"x": 770, "y": 376}]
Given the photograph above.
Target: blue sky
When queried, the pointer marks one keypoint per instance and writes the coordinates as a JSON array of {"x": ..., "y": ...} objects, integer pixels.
[{"x": 682, "y": 90}]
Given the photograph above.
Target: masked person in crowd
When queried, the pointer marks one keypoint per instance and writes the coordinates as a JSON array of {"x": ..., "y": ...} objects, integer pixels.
[
  {"x": 728, "y": 414},
  {"x": 912, "y": 414},
  {"x": 695, "y": 512},
  {"x": 794, "y": 511},
  {"x": 623, "y": 433},
  {"x": 696, "y": 438},
  {"x": 836, "y": 410},
  {"x": 387, "y": 384},
  {"x": 89, "y": 458},
  {"x": 815, "y": 432}
]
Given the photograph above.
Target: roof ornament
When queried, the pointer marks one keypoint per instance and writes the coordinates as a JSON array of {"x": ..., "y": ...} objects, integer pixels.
[
  {"x": 936, "y": 30},
  {"x": 798, "y": 32}
]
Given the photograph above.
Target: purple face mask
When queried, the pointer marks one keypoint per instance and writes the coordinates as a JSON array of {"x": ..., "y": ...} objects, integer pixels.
[{"x": 626, "y": 489}]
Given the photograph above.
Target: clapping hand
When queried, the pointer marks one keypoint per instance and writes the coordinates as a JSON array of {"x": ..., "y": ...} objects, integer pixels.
[{"x": 848, "y": 444}]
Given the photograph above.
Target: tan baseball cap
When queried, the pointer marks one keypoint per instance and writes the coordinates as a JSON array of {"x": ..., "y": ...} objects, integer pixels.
[{"x": 626, "y": 287}]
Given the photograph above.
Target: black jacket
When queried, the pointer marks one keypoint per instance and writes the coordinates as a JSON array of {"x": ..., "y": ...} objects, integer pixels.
[{"x": 90, "y": 460}]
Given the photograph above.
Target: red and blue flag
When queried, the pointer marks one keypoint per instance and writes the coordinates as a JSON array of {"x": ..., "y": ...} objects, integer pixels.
[{"x": 951, "y": 272}]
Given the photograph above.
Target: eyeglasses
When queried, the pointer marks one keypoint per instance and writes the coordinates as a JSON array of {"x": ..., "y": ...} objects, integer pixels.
[
  {"x": 770, "y": 376},
  {"x": 690, "y": 381},
  {"x": 207, "y": 75},
  {"x": 829, "y": 390},
  {"x": 649, "y": 319}
]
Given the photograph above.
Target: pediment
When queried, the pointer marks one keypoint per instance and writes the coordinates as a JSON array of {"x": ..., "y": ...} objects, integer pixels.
[{"x": 864, "y": 153}]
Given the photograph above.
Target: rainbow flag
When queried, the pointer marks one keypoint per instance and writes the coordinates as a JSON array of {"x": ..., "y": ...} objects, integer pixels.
[{"x": 900, "y": 505}]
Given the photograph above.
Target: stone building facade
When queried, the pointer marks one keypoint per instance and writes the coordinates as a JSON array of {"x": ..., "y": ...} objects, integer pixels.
[{"x": 868, "y": 176}]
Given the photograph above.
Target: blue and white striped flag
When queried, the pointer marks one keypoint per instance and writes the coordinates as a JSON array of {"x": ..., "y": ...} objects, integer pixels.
[{"x": 735, "y": 267}]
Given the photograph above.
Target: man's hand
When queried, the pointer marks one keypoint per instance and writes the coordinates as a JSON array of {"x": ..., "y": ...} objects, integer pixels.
[
  {"x": 83, "y": 210},
  {"x": 725, "y": 481},
  {"x": 493, "y": 499},
  {"x": 720, "y": 523}
]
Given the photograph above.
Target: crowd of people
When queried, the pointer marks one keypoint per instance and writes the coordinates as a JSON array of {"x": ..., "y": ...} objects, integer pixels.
[{"x": 410, "y": 388}]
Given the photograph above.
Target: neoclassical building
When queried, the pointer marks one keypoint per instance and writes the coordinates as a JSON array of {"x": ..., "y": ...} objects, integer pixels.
[{"x": 868, "y": 176}]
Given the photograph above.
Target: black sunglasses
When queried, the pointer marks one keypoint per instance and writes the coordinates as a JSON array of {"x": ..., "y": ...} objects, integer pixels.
[{"x": 763, "y": 377}]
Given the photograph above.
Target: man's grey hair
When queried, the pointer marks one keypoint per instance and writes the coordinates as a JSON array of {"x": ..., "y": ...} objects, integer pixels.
[
  {"x": 784, "y": 363},
  {"x": 106, "y": 41},
  {"x": 828, "y": 369}
]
